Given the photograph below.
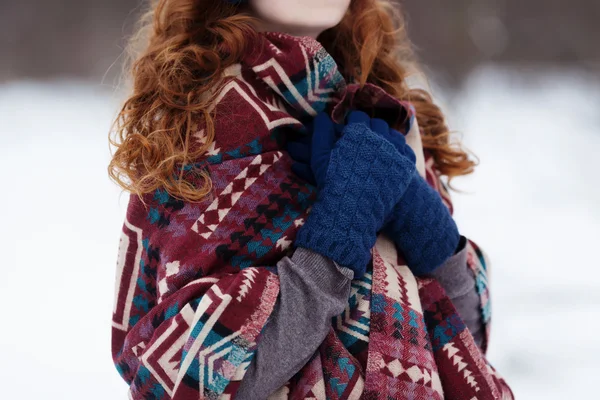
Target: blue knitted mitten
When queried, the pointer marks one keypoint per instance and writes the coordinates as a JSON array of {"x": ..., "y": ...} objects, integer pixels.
[
  {"x": 422, "y": 228},
  {"x": 420, "y": 224},
  {"x": 362, "y": 181}
]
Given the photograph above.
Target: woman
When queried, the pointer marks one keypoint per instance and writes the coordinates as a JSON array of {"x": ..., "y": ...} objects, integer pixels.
[{"x": 265, "y": 177}]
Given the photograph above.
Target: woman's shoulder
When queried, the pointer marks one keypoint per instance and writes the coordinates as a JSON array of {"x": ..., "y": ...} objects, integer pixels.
[{"x": 244, "y": 118}]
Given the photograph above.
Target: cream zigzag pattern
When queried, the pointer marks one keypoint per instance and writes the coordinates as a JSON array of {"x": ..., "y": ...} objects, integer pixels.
[
  {"x": 229, "y": 197},
  {"x": 279, "y": 71},
  {"x": 457, "y": 361},
  {"x": 250, "y": 274},
  {"x": 387, "y": 254},
  {"x": 415, "y": 373},
  {"x": 345, "y": 322}
]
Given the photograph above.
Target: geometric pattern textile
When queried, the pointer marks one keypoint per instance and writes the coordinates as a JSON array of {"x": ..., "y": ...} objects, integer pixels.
[{"x": 196, "y": 283}]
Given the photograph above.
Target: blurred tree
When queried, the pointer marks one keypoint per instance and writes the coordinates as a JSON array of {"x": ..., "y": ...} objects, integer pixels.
[
  {"x": 63, "y": 38},
  {"x": 453, "y": 37},
  {"x": 84, "y": 38}
]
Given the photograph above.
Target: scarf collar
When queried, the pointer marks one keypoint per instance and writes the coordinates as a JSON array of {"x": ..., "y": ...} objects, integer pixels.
[{"x": 299, "y": 72}]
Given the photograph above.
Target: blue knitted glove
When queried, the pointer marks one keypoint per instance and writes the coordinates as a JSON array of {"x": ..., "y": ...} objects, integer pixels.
[
  {"x": 399, "y": 142},
  {"x": 312, "y": 152},
  {"x": 420, "y": 224},
  {"x": 422, "y": 228},
  {"x": 300, "y": 151},
  {"x": 360, "y": 183}
]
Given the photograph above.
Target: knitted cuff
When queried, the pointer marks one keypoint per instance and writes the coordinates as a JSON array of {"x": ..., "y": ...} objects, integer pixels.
[
  {"x": 355, "y": 258},
  {"x": 365, "y": 179},
  {"x": 423, "y": 228},
  {"x": 322, "y": 272}
]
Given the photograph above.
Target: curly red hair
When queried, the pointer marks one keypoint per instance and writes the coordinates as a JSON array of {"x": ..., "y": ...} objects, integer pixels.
[{"x": 179, "y": 54}]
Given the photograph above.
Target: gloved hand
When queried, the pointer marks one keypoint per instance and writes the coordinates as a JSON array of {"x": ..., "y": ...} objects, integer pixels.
[
  {"x": 361, "y": 177},
  {"x": 311, "y": 153},
  {"x": 420, "y": 224}
]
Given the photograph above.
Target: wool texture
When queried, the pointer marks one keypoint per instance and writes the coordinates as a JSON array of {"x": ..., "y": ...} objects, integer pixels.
[
  {"x": 196, "y": 284},
  {"x": 420, "y": 224},
  {"x": 365, "y": 179},
  {"x": 423, "y": 228}
]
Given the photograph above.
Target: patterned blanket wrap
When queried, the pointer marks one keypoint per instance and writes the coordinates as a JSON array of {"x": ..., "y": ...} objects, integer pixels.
[{"x": 196, "y": 282}]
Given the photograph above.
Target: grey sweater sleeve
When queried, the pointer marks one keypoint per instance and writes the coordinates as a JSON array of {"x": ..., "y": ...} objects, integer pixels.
[
  {"x": 458, "y": 281},
  {"x": 313, "y": 289}
]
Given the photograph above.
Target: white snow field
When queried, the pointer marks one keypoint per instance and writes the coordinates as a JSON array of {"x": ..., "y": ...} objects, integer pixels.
[{"x": 533, "y": 205}]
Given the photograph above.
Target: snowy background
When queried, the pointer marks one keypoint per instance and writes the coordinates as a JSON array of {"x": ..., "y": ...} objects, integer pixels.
[{"x": 533, "y": 205}]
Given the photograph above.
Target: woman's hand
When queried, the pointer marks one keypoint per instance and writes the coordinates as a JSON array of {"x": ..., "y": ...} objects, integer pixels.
[
  {"x": 311, "y": 153},
  {"x": 420, "y": 224},
  {"x": 361, "y": 177}
]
